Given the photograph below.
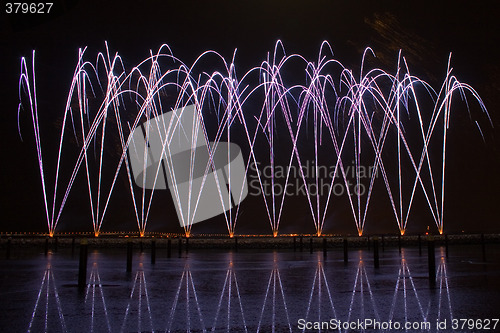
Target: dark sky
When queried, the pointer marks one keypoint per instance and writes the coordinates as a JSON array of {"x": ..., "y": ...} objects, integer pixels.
[{"x": 426, "y": 31}]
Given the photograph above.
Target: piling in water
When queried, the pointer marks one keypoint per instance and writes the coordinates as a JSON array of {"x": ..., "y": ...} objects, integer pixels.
[
  {"x": 483, "y": 247},
  {"x": 9, "y": 241},
  {"x": 46, "y": 245},
  {"x": 187, "y": 244},
  {"x": 179, "y": 247},
  {"x": 55, "y": 244},
  {"x": 82, "y": 267},
  {"x": 311, "y": 245},
  {"x": 169, "y": 248},
  {"x": 236, "y": 244},
  {"x": 129, "y": 256},
  {"x": 419, "y": 245},
  {"x": 325, "y": 246},
  {"x": 294, "y": 244},
  {"x": 431, "y": 261},
  {"x": 153, "y": 252},
  {"x": 375, "y": 253},
  {"x": 446, "y": 245},
  {"x": 399, "y": 243},
  {"x": 73, "y": 246},
  {"x": 346, "y": 249},
  {"x": 383, "y": 243},
  {"x": 301, "y": 244}
]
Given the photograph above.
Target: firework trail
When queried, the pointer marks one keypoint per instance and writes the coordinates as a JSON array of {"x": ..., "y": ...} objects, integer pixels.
[{"x": 327, "y": 112}]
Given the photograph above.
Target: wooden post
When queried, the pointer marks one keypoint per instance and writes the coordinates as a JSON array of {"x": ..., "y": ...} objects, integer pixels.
[
  {"x": 431, "y": 261},
  {"x": 375, "y": 253},
  {"x": 169, "y": 248},
  {"x": 399, "y": 243},
  {"x": 9, "y": 241},
  {"x": 446, "y": 245},
  {"x": 129, "y": 256},
  {"x": 483, "y": 247},
  {"x": 82, "y": 267},
  {"x": 46, "y": 245},
  {"x": 153, "y": 252},
  {"x": 346, "y": 249}
]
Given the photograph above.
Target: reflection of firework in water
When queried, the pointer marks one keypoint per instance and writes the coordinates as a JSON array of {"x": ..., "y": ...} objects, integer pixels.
[{"x": 330, "y": 112}]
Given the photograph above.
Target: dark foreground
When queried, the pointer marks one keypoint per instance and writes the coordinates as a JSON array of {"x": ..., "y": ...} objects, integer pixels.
[{"x": 250, "y": 290}]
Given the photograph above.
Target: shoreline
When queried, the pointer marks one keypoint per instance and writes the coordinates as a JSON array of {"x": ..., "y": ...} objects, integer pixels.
[{"x": 241, "y": 242}]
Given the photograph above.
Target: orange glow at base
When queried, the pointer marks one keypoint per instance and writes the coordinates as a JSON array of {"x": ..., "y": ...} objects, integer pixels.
[
  {"x": 275, "y": 233},
  {"x": 231, "y": 235},
  {"x": 96, "y": 234},
  {"x": 402, "y": 232}
]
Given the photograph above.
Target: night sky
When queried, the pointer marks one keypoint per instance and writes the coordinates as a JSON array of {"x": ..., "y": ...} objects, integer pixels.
[{"x": 425, "y": 31}]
